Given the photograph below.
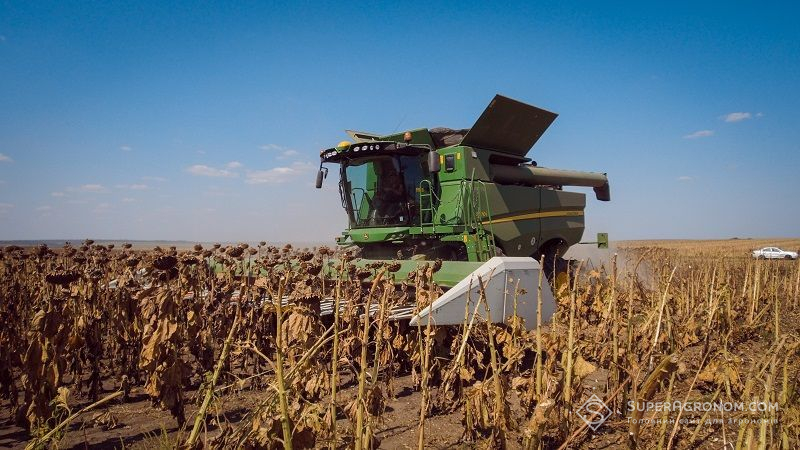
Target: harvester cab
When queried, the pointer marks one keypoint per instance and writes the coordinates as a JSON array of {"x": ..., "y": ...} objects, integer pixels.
[{"x": 470, "y": 197}]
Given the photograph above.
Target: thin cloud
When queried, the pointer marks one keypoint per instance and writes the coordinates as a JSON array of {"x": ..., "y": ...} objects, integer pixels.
[
  {"x": 699, "y": 134},
  {"x": 685, "y": 178},
  {"x": 6, "y": 206},
  {"x": 278, "y": 175},
  {"x": 57, "y": 194},
  {"x": 288, "y": 154},
  {"x": 101, "y": 208},
  {"x": 737, "y": 116},
  {"x": 126, "y": 148},
  {"x": 128, "y": 200},
  {"x": 133, "y": 187},
  {"x": 149, "y": 178},
  {"x": 96, "y": 188},
  {"x": 45, "y": 210},
  {"x": 283, "y": 152},
  {"x": 5, "y": 158},
  {"x": 234, "y": 165},
  {"x": 202, "y": 170}
]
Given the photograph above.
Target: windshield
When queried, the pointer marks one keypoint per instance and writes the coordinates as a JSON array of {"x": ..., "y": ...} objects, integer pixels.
[{"x": 382, "y": 190}]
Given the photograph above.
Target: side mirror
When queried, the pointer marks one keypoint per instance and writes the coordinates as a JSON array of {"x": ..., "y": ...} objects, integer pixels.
[
  {"x": 323, "y": 172},
  {"x": 434, "y": 164}
]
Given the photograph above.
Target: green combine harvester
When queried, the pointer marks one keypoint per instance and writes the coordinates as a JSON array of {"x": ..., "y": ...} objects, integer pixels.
[{"x": 471, "y": 198}]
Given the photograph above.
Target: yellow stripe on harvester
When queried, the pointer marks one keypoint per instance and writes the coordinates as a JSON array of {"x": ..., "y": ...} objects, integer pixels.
[{"x": 539, "y": 215}]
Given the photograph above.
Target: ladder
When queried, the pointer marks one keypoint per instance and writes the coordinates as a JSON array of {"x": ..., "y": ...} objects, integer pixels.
[
  {"x": 476, "y": 212},
  {"x": 426, "y": 207}
]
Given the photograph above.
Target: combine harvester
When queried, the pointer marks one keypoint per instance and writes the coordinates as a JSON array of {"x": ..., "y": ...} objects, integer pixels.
[{"x": 471, "y": 198}]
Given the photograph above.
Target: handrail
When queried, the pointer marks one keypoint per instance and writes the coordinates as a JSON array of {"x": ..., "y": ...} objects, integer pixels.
[
  {"x": 493, "y": 249},
  {"x": 430, "y": 209},
  {"x": 486, "y": 247}
]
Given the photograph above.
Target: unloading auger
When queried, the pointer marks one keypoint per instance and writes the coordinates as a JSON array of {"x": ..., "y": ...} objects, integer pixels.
[{"x": 471, "y": 198}]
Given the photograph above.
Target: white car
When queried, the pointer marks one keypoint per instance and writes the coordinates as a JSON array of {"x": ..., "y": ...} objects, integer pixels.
[{"x": 773, "y": 253}]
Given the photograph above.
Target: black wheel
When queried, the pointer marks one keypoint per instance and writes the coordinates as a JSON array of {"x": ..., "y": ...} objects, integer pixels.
[
  {"x": 762, "y": 257},
  {"x": 788, "y": 257},
  {"x": 555, "y": 265}
]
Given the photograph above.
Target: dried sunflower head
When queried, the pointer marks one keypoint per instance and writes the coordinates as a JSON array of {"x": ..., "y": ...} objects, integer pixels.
[
  {"x": 314, "y": 268},
  {"x": 198, "y": 248},
  {"x": 62, "y": 277},
  {"x": 165, "y": 262},
  {"x": 363, "y": 274},
  {"x": 41, "y": 251},
  {"x": 127, "y": 245},
  {"x": 96, "y": 274},
  {"x": 189, "y": 260},
  {"x": 235, "y": 252},
  {"x": 167, "y": 274}
]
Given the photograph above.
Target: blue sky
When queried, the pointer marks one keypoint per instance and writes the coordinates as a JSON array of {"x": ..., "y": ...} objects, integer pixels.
[{"x": 204, "y": 122}]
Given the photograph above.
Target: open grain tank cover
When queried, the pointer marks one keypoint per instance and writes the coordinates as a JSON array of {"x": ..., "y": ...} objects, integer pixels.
[
  {"x": 509, "y": 126},
  {"x": 502, "y": 277}
]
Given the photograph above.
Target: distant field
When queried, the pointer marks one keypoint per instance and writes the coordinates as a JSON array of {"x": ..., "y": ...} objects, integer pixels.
[{"x": 715, "y": 247}]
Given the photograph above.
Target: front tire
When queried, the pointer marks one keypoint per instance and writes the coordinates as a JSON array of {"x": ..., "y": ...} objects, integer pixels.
[{"x": 555, "y": 265}]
